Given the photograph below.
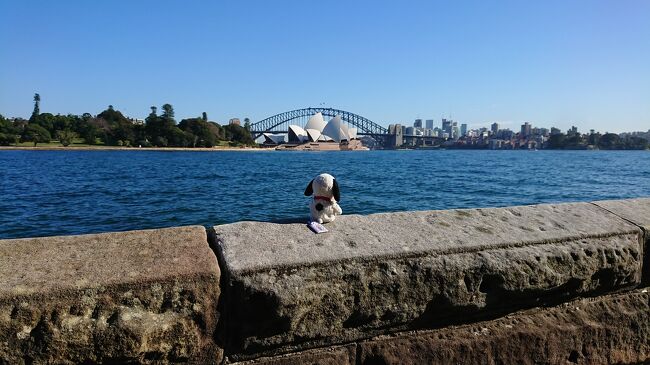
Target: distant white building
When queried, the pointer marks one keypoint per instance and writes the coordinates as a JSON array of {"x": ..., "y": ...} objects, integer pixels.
[
  {"x": 318, "y": 135},
  {"x": 316, "y": 130}
]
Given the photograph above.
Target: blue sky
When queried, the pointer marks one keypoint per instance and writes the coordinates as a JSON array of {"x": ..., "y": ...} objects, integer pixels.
[{"x": 553, "y": 63}]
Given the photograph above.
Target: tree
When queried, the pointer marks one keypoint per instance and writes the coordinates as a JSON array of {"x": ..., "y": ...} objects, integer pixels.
[
  {"x": 176, "y": 137},
  {"x": 593, "y": 139},
  {"x": 8, "y": 133},
  {"x": 45, "y": 120},
  {"x": 636, "y": 143},
  {"x": 574, "y": 140},
  {"x": 609, "y": 141},
  {"x": 205, "y": 134},
  {"x": 122, "y": 131},
  {"x": 35, "y": 133},
  {"x": 557, "y": 141},
  {"x": 247, "y": 124},
  {"x": 168, "y": 113},
  {"x": 66, "y": 137},
  {"x": 37, "y": 109},
  {"x": 98, "y": 128},
  {"x": 111, "y": 115},
  {"x": 153, "y": 125},
  {"x": 119, "y": 127},
  {"x": 238, "y": 134},
  {"x": 63, "y": 122},
  {"x": 160, "y": 141}
]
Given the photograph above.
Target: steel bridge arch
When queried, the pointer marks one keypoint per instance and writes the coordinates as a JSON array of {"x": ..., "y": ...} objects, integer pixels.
[{"x": 364, "y": 125}]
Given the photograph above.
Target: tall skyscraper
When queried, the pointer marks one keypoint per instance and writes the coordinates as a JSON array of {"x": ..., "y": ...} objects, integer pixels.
[
  {"x": 446, "y": 126},
  {"x": 494, "y": 128},
  {"x": 429, "y": 124},
  {"x": 418, "y": 123},
  {"x": 463, "y": 130},
  {"x": 526, "y": 129}
]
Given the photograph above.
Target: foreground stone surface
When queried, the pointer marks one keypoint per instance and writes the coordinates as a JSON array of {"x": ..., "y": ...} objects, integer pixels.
[
  {"x": 131, "y": 297},
  {"x": 290, "y": 289},
  {"x": 337, "y": 355},
  {"x": 613, "y": 329},
  {"x": 636, "y": 211}
]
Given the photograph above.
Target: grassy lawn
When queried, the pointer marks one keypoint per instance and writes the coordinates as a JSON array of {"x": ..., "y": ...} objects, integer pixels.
[{"x": 78, "y": 142}]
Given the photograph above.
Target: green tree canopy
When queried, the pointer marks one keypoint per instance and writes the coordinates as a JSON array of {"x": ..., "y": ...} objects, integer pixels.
[
  {"x": 206, "y": 134},
  {"x": 168, "y": 113},
  {"x": 45, "y": 120},
  {"x": 8, "y": 132},
  {"x": 66, "y": 137},
  {"x": 112, "y": 116},
  {"x": 609, "y": 141},
  {"x": 35, "y": 133},
  {"x": 557, "y": 141},
  {"x": 238, "y": 134},
  {"x": 37, "y": 107}
]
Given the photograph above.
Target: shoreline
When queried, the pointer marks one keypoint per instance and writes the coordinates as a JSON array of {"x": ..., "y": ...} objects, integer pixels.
[
  {"x": 118, "y": 148},
  {"x": 255, "y": 149}
]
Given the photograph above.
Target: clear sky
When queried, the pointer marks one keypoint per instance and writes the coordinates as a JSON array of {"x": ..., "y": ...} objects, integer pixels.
[{"x": 553, "y": 63}]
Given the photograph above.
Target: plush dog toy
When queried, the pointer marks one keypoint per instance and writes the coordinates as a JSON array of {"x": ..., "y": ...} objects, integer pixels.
[{"x": 324, "y": 207}]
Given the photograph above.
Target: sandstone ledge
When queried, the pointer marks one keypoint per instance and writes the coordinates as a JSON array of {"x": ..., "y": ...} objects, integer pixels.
[
  {"x": 336, "y": 355},
  {"x": 636, "y": 211},
  {"x": 288, "y": 289},
  {"x": 140, "y": 296},
  {"x": 612, "y": 329}
]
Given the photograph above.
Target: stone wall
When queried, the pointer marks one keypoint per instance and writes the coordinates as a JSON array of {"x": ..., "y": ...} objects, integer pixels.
[{"x": 560, "y": 283}]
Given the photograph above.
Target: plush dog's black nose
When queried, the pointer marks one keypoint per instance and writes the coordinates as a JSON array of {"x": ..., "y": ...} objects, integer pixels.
[{"x": 319, "y": 207}]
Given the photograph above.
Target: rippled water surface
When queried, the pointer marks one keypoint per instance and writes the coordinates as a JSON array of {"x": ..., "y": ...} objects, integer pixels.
[{"x": 44, "y": 193}]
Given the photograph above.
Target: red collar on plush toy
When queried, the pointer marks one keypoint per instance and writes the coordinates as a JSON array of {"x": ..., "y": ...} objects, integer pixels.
[{"x": 320, "y": 197}]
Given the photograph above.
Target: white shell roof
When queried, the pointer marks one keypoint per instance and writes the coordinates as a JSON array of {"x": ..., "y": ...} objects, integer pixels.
[
  {"x": 336, "y": 130},
  {"x": 316, "y": 122},
  {"x": 313, "y": 134},
  {"x": 299, "y": 132},
  {"x": 275, "y": 138},
  {"x": 317, "y": 130}
]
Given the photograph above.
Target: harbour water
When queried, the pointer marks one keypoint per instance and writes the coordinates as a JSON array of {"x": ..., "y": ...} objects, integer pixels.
[{"x": 45, "y": 193}]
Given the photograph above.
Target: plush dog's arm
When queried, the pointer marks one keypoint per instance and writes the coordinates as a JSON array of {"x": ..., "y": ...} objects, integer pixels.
[{"x": 337, "y": 209}]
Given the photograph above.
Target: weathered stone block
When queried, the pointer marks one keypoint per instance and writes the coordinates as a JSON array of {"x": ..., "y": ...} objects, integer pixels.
[
  {"x": 637, "y": 211},
  {"x": 130, "y": 297},
  {"x": 291, "y": 289},
  {"x": 612, "y": 329},
  {"x": 337, "y": 355}
]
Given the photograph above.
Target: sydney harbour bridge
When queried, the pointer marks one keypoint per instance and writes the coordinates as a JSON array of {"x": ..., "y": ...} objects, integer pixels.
[{"x": 279, "y": 123}]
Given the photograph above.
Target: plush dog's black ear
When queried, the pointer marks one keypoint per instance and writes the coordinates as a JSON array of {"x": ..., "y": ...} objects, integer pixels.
[
  {"x": 336, "y": 192},
  {"x": 309, "y": 189}
]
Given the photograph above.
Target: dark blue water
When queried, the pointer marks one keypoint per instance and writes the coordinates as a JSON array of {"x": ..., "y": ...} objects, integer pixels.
[{"x": 45, "y": 193}]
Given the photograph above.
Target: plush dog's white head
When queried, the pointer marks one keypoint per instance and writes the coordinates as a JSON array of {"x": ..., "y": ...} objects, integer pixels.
[{"x": 324, "y": 185}]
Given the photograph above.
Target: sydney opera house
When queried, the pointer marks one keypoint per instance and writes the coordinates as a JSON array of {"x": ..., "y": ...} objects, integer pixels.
[{"x": 317, "y": 136}]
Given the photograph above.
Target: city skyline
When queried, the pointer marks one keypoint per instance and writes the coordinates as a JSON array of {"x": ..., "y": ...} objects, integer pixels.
[{"x": 552, "y": 64}]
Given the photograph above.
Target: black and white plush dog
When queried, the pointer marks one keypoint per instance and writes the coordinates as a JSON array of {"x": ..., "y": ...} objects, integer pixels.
[{"x": 324, "y": 207}]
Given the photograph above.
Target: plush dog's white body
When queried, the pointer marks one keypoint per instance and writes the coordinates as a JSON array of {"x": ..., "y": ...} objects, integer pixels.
[{"x": 324, "y": 206}]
